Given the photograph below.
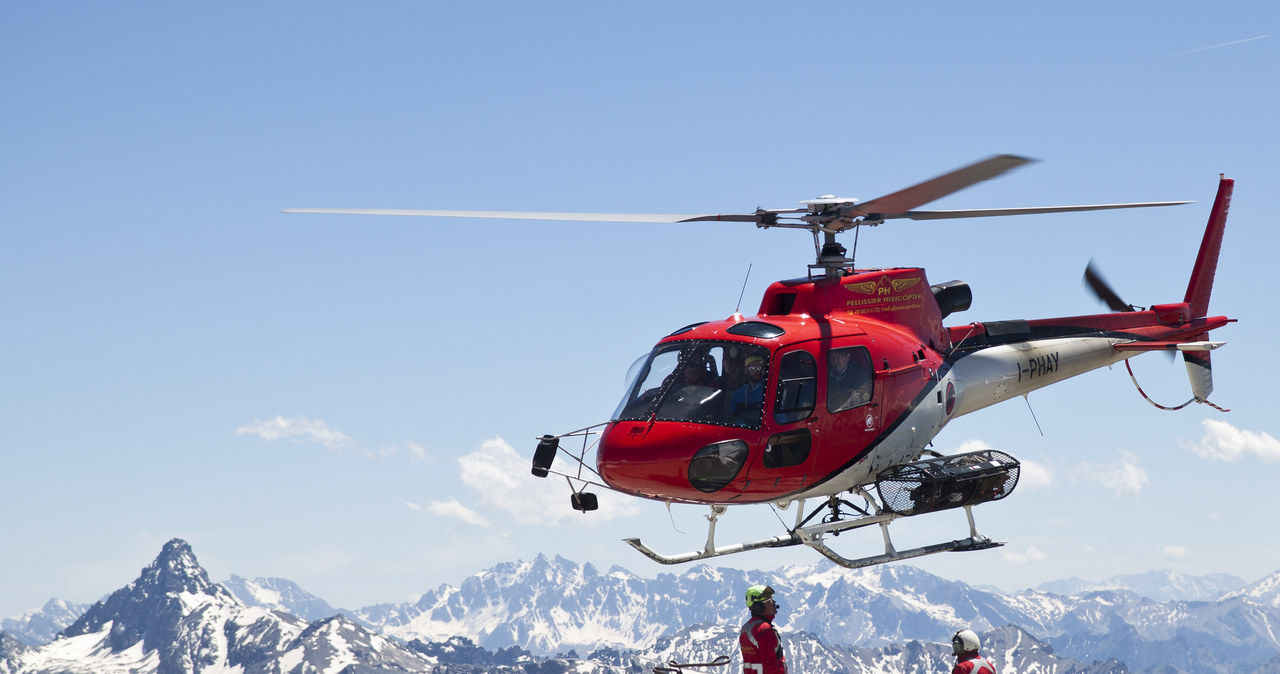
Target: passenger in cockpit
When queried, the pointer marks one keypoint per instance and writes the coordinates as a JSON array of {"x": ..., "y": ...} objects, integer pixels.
[
  {"x": 849, "y": 379},
  {"x": 748, "y": 400}
]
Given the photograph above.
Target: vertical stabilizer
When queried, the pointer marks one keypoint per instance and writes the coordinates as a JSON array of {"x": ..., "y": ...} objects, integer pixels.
[
  {"x": 1200, "y": 370},
  {"x": 1201, "y": 284},
  {"x": 1199, "y": 365}
]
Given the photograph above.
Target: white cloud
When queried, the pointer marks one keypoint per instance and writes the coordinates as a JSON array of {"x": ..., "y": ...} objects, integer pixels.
[
  {"x": 1123, "y": 478},
  {"x": 302, "y": 429},
  {"x": 501, "y": 478},
  {"x": 451, "y": 509},
  {"x": 971, "y": 446},
  {"x": 1174, "y": 552},
  {"x": 1224, "y": 442},
  {"x": 418, "y": 452},
  {"x": 298, "y": 429},
  {"x": 1032, "y": 554},
  {"x": 1034, "y": 475}
]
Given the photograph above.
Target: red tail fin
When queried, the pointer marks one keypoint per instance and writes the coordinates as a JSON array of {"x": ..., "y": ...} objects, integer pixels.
[
  {"x": 1199, "y": 366},
  {"x": 1201, "y": 284}
]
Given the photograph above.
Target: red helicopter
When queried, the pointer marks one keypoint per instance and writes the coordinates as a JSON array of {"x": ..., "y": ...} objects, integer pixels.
[{"x": 835, "y": 389}]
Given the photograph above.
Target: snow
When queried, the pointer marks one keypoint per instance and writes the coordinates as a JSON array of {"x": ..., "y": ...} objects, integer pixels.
[
  {"x": 89, "y": 654},
  {"x": 1265, "y": 591},
  {"x": 343, "y": 655},
  {"x": 290, "y": 660},
  {"x": 265, "y": 596}
]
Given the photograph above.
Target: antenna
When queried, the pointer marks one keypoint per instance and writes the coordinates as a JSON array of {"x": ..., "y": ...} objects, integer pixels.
[
  {"x": 1027, "y": 397},
  {"x": 744, "y": 290}
]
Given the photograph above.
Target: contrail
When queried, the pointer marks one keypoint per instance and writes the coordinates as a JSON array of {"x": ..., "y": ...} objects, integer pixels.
[{"x": 1224, "y": 44}]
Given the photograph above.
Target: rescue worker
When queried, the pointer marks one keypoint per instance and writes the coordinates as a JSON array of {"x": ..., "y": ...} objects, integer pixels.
[
  {"x": 761, "y": 647},
  {"x": 965, "y": 644}
]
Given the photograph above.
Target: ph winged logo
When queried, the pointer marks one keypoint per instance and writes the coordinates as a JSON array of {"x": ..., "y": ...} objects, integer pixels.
[{"x": 883, "y": 286}]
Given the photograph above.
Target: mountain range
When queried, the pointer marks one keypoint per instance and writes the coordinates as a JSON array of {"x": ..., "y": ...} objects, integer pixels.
[{"x": 550, "y": 615}]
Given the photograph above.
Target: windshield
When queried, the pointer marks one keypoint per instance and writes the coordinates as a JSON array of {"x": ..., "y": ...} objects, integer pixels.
[{"x": 698, "y": 380}]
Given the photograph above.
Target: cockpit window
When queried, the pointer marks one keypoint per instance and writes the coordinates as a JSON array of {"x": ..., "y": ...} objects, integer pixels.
[
  {"x": 797, "y": 387},
  {"x": 849, "y": 378},
  {"x": 699, "y": 381}
]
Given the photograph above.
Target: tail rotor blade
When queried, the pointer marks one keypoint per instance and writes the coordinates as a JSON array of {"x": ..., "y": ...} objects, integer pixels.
[{"x": 1103, "y": 291}]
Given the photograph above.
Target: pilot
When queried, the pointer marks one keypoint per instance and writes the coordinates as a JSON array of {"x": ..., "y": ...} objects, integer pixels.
[
  {"x": 848, "y": 380},
  {"x": 748, "y": 399},
  {"x": 965, "y": 644},
  {"x": 761, "y": 647},
  {"x": 698, "y": 395},
  {"x": 701, "y": 371}
]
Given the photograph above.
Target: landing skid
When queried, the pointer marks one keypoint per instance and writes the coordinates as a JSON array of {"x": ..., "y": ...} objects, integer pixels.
[{"x": 834, "y": 523}]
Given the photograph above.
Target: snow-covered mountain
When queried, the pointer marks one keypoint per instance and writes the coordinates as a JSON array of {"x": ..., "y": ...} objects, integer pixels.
[
  {"x": 515, "y": 616},
  {"x": 1157, "y": 585},
  {"x": 39, "y": 627},
  {"x": 1016, "y": 652},
  {"x": 279, "y": 594},
  {"x": 1265, "y": 592},
  {"x": 551, "y": 605},
  {"x": 173, "y": 619}
]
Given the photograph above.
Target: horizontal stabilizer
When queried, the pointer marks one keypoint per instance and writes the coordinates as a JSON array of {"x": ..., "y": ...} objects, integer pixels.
[{"x": 1167, "y": 346}]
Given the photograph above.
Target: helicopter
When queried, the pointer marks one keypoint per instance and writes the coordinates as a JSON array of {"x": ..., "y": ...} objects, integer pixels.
[{"x": 833, "y": 392}]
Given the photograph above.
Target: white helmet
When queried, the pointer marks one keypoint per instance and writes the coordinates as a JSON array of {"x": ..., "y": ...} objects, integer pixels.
[{"x": 965, "y": 641}]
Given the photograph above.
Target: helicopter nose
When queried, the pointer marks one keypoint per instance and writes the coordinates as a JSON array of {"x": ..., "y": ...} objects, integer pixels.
[{"x": 671, "y": 461}]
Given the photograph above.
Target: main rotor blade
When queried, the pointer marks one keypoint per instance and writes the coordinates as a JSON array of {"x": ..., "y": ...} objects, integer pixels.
[
  {"x": 992, "y": 212},
  {"x": 531, "y": 215},
  {"x": 931, "y": 190}
]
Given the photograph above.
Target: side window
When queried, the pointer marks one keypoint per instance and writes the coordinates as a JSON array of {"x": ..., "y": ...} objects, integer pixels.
[
  {"x": 849, "y": 378},
  {"x": 789, "y": 448},
  {"x": 797, "y": 387}
]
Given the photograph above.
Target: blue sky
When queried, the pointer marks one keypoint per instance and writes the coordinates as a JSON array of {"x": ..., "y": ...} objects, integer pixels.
[{"x": 350, "y": 402}]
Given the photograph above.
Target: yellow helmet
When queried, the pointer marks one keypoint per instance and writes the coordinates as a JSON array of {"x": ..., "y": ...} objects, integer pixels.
[{"x": 757, "y": 594}]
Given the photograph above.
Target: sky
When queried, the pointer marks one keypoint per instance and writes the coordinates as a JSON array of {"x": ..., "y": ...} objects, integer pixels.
[{"x": 351, "y": 402}]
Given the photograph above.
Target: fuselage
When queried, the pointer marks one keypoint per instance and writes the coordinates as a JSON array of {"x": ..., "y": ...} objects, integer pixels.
[{"x": 834, "y": 380}]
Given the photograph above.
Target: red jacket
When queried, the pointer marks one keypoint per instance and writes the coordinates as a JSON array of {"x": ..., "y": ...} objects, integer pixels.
[
  {"x": 974, "y": 664},
  {"x": 761, "y": 648}
]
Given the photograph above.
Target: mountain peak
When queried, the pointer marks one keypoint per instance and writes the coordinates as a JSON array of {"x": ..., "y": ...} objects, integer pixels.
[
  {"x": 147, "y": 609},
  {"x": 172, "y": 619},
  {"x": 1265, "y": 591},
  {"x": 279, "y": 594},
  {"x": 1158, "y": 585},
  {"x": 176, "y": 570}
]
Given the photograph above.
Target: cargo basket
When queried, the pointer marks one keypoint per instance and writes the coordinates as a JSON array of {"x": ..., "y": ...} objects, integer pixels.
[{"x": 948, "y": 482}]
